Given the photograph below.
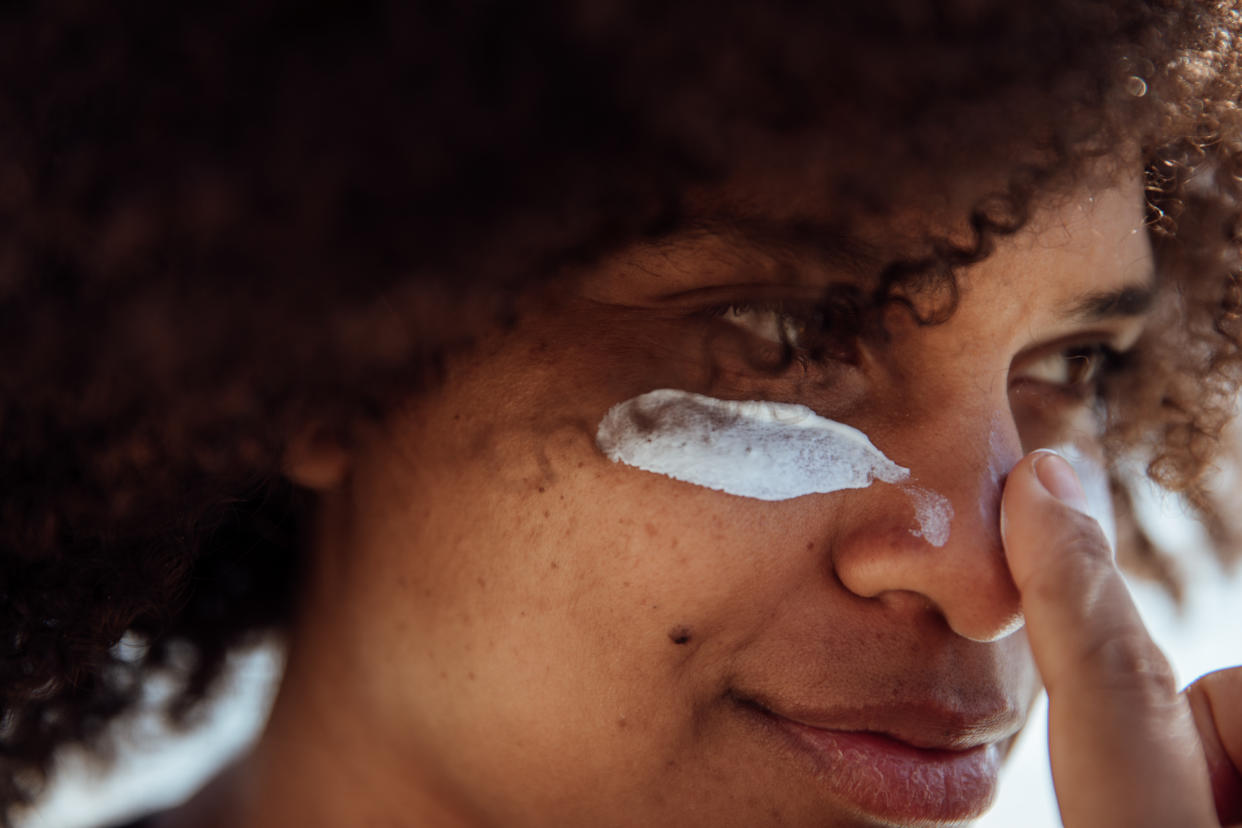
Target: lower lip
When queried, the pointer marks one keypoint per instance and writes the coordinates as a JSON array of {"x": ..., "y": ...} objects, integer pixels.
[{"x": 894, "y": 781}]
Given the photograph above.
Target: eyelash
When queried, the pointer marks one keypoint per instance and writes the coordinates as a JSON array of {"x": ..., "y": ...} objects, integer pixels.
[{"x": 1099, "y": 359}]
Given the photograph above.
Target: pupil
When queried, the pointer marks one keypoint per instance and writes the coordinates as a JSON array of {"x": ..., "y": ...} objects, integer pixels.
[{"x": 1079, "y": 368}]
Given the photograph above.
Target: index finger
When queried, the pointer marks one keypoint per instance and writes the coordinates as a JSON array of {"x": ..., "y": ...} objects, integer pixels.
[{"x": 1122, "y": 741}]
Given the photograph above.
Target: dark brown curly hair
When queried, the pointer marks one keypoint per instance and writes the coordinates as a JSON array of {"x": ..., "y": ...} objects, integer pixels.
[{"x": 220, "y": 223}]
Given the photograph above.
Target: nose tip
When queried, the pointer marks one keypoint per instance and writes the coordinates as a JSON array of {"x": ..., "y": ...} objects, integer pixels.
[
  {"x": 938, "y": 537},
  {"x": 997, "y": 617},
  {"x": 964, "y": 579}
]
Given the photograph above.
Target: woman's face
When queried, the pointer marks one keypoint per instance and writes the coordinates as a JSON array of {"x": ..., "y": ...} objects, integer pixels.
[{"x": 536, "y": 635}]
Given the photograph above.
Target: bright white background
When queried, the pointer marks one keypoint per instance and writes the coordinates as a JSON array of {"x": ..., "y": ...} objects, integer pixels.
[{"x": 155, "y": 772}]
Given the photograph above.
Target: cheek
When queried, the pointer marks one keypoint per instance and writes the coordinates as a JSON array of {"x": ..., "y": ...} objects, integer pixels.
[
  {"x": 586, "y": 612},
  {"x": 632, "y": 562},
  {"x": 1045, "y": 419},
  {"x": 549, "y": 551}
]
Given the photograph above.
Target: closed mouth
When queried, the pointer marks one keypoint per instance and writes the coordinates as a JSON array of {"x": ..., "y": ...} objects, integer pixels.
[{"x": 908, "y": 765}]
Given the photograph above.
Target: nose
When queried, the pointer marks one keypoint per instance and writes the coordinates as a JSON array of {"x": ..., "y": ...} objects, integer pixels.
[{"x": 936, "y": 538}]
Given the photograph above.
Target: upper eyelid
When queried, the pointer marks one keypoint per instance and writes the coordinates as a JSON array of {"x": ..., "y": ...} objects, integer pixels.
[
  {"x": 824, "y": 338},
  {"x": 806, "y": 313},
  {"x": 724, "y": 312},
  {"x": 1108, "y": 341},
  {"x": 1091, "y": 387},
  {"x": 1102, "y": 351},
  {"x": 796, "y": 308}
]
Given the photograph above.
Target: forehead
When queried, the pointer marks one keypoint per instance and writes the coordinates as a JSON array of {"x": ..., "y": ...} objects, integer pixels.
[{"x": 1084, "y": 244}]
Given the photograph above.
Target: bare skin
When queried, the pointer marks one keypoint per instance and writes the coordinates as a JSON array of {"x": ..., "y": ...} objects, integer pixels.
[{"x": 501, "y": 627}]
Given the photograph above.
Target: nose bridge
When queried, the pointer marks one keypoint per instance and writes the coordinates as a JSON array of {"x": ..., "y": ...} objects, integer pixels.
[
  {"x": 939, "y": 534},
  {"x": 967, "y": 467}
]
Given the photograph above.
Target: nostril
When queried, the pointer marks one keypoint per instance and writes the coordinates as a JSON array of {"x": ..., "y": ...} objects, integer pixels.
[{"x": 909, "y": 602}]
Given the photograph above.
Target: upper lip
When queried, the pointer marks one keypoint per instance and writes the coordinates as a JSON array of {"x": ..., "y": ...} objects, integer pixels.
[{"x": 919, "y": 723}]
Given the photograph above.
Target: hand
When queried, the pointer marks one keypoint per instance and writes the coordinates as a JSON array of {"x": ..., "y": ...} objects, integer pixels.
[{"x": 1127, "y": 749}]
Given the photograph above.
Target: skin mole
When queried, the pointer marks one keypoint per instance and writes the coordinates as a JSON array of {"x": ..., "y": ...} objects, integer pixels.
[{"x": 679, "y": 635}]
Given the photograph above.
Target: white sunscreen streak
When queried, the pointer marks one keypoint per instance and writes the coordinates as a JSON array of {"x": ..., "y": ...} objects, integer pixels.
[
  {"x": 934, "y": 513},
  {"x": 762, "y": 450}
]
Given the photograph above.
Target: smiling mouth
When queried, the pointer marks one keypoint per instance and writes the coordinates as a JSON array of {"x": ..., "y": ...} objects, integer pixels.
[{"x": 914, "y": 778}]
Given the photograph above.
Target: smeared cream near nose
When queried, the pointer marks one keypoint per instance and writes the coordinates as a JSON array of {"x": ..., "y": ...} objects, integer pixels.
[
  {"x": 757, "y": 449},
  {"x": 748, "y": 448},
  {"x": 934, "y": 514}
]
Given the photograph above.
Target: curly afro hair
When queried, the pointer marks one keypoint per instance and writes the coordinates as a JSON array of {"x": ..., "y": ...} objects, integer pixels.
[{"x": 221, "y": 222}]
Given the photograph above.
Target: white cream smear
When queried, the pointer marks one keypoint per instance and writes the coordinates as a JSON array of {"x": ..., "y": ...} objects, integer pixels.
[
  {"x": 933, "y": 512},
  {"x": 749, "y": 448}
]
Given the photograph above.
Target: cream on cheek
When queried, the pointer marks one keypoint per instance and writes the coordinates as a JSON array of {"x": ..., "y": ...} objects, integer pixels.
[{"x": 756, "y": 449}]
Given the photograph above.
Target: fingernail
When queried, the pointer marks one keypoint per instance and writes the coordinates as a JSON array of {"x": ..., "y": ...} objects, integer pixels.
[{"x": 1059, "y": 478}]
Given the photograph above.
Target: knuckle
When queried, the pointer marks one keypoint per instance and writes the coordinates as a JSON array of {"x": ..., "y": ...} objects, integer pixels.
[
  {"x": 1082, "y": 535},
  {"x": 1074, "y": 566},
  {"x": 1128, "y": 662}
]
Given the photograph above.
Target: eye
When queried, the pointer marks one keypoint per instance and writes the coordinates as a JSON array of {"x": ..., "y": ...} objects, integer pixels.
[
  {"x": 767, "y": 323},
  {"x": 806, "y": 331},
  {"x": 1077, "y": 370}
]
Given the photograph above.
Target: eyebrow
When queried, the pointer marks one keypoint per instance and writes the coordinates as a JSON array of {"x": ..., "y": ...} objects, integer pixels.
[
  {"x": 1125, "y": 302},
  {"x": 827, "y": 245},
  {"x": 846, "y": 254}
]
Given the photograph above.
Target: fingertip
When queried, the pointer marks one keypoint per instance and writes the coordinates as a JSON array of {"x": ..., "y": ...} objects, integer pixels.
[
  {"x": 1034, "y": 519},
  {"x": 1041, "y": 474},
  {"x": 1219, "y": 725},
  {"x": 1021, "y": 486},
  {"x": 1059, "y": 479}
]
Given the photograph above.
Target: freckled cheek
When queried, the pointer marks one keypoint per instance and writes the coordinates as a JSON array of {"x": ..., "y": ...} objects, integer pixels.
[
  {"x": 622, "y": 556},
  {"x": 643, "y": 573}
]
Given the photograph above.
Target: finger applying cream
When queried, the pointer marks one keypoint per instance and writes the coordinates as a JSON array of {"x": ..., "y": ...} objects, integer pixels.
[{"x": 1123, "y": 746}]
